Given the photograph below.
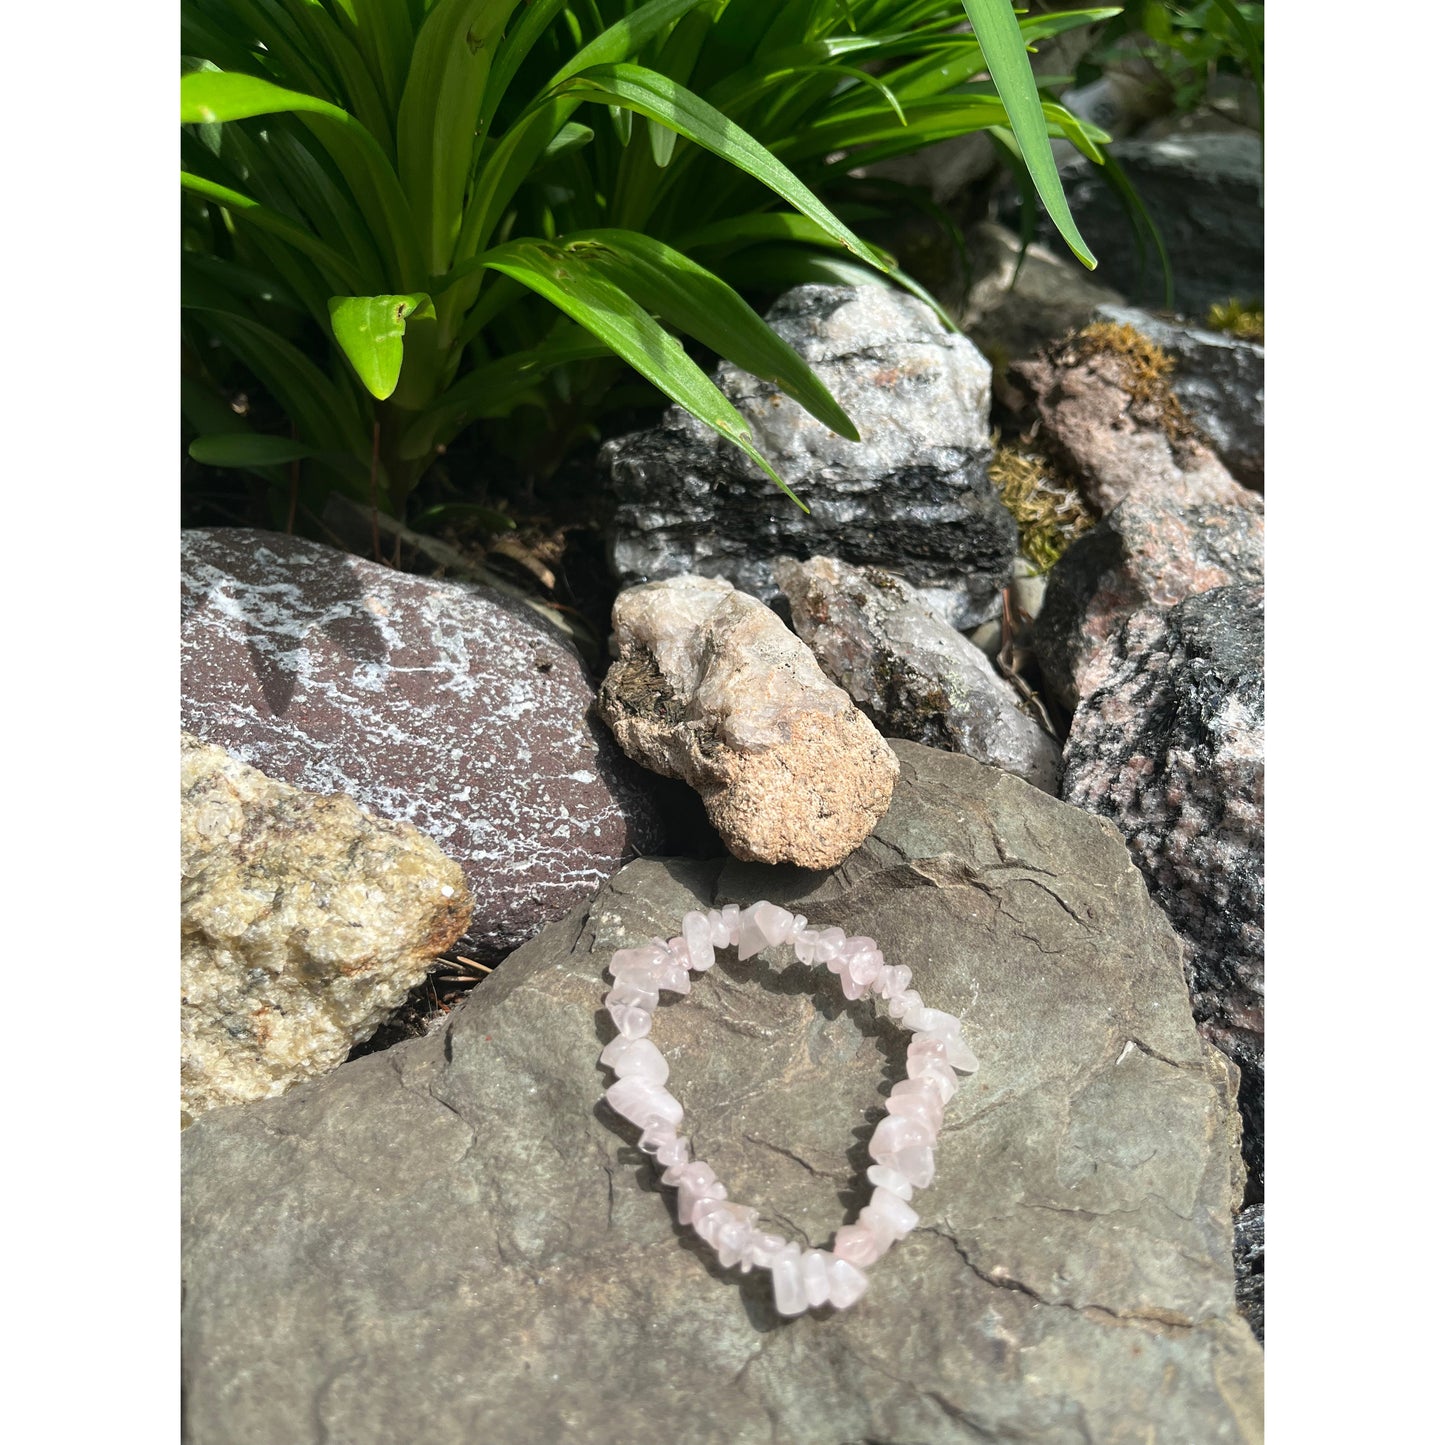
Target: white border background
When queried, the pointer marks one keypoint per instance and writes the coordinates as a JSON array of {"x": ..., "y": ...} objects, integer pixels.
[{"x": 1355, "y": 397}]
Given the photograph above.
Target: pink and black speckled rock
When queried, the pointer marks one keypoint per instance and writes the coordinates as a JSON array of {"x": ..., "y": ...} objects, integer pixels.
[
  {"x": 1169, "y": 744},
  {"x": 439, "y": 704},
  {"x": 1158, "y": 546}
]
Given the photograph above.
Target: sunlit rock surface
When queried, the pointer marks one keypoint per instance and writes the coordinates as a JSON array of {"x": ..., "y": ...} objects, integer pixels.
[
  {"x": 304, "y": 923},
  {"x": 913, "y": 674},
  {"x": 711, "y": 687},
  {"x": 431, "y": 702},
  {"x": 912, "y": 495},
  {"x": 466, "y": 1206}
]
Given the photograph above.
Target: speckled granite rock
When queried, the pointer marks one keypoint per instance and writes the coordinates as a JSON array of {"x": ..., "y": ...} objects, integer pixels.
[
  {"x": 470, "y": 1202},
  {"x": 1156, "y": 548},
  {"x": 434, "y": 703},
  {"x": 1169, "y": 745},
  {"x": 304, "y": 923},
  {"x": 1219, "y": 380},
  {"x": 913, "y": 494},
  {"x": 1116, "y": 422},
  {"x": 710, "y": 687},
  {"x": 913, "y": 674}
]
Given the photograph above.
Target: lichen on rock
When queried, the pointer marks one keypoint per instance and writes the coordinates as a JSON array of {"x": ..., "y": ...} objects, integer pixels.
[{"x": 304, "y": 922}]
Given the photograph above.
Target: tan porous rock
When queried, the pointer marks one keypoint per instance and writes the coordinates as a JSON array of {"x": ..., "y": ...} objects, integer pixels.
[
  {"x": 304, "y": 923},
  {"x": 711, "y": 687}
]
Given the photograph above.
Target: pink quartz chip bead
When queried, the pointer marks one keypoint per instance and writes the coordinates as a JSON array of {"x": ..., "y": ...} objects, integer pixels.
[
  {"x": 846, "y": 1283},
  {"x": 764, "y": 925},
  {"x": 698, "y": 935},
  {"x": 641, "y": 1057},
  {"x": 858, "y": 1245},
  {"x": 789, "y": 1296},
  {"x": 888, "y": 1216},
  {"x": 895, "y": 1133},
  {"x": 631, "y": 1022},
  {"x": 927, "y": 1108},
  {"x": 642, "y": 1102},
  {"x": 815, "y": 1277}
]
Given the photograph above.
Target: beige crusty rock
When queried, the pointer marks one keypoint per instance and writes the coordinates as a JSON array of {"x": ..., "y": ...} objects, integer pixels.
[
  {"x": 304, "y": 923},
  {"x": 711, "y": 687}
]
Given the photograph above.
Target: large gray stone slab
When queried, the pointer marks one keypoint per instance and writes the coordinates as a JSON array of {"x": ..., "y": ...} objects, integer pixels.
[{"x": 457, "y": 1240}]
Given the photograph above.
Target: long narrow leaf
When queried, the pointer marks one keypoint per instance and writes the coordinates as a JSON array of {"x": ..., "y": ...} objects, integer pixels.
[
  {"x": 591, "y": 300},
  {"x": 209, "y": 96},
  {"x": 676, "y": 107},
  {"x": 694, "y": 300},
  {"x": 333, "y": 262},
  {"x": 1008, "y": 63}
]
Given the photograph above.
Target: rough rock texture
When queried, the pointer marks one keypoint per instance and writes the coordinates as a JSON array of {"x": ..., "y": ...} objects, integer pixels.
[
  {"x": 1179, "y": 524},
  {"x": 468, "y": 1208},
  {"x": 304, "y": 922},
  {"x": 710, "y": 687},
  {"x": 1157, "y": 548},
  {"x": 1219, "y": 380},
  {"x": 914, "y": 494},
  {"x": 1013, "y": 310},
  {"x": 434, "y": 703},
  {"x": 1205, "y": 193},
  {"x": 913, "y": 674},
  {"x": 1249, "y": 1267},
  {"x": 1107, "y": 410},
  {"x": 1169, "y": 744}
]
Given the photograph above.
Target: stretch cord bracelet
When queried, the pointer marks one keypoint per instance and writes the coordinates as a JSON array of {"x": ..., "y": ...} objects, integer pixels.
[{"x": 901, "y": 1146}]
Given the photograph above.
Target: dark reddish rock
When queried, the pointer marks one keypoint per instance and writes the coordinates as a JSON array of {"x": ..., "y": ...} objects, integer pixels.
[
  {"x": 434, "y": 703},
  {"x": 1169, "y": 745},
  {"x": 1158, "y": 547}
]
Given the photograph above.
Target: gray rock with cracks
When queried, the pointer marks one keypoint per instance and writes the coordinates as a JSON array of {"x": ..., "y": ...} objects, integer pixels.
[
  {"x": 913, "y": 494},
  {"x": 464, "y": 1216},
  {"x": 910, "y": 672}
]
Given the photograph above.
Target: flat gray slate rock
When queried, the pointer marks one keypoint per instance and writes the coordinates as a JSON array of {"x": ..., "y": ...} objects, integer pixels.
[
  {"x": 458, "y": 1240},
  {"x": 439, "y": 704}
]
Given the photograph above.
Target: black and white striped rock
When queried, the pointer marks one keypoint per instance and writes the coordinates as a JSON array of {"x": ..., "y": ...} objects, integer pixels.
[
  {"x": 435, "y": 703},
  {"x": 912, "y": 495}
]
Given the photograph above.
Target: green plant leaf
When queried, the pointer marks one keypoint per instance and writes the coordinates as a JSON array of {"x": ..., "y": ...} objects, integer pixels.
[
  {"x": 603, "y": 308},
  {"x": 248, "y": 450},
  {"x": 370, "y": 331},
  {"x": 676, "y": 107},
  {"x": 694, "y": 300},
  {"x": 210, "y": 96},
  {"x": 1003, "y": 48}
]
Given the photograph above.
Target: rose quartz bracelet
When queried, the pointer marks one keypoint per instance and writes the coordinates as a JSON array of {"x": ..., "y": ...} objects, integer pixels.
[{"x": 902, "y": 1144}]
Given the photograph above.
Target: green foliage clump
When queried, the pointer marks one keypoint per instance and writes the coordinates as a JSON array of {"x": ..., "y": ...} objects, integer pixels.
[
  {"x": 405, "y": 216},
  {"x": 1186, "y": 44},
  {"x": 1051, "y": 517},
  {"x": 1238, "y": 318}
]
